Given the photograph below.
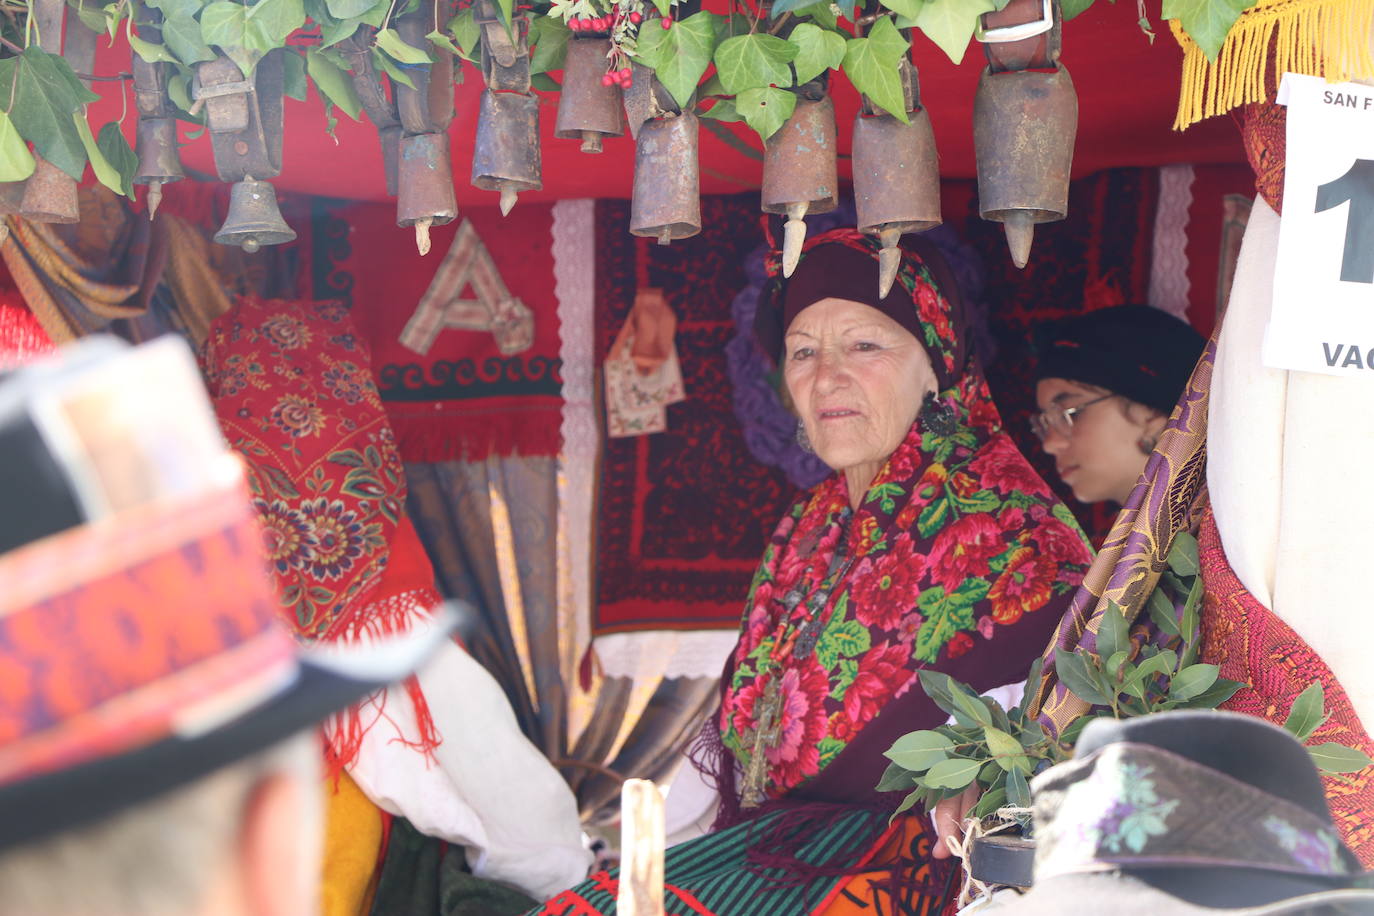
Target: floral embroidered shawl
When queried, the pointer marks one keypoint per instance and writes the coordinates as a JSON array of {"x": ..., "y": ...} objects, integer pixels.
[{"x": 961, "y": 559}]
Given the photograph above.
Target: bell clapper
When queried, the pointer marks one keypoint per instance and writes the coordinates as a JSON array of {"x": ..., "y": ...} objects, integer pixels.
[
  {"x": 793, "y": 234},
  {"x": 591, "y": 141},
  {"x": 422, "y": 234},
  {"x": 508, "y": 198},
  {"x": 889, "y": 259},
  {"x": 154, "y": 197},
  {"x": 665, "y": 235},
  {"x": 1020, "y": 232}
]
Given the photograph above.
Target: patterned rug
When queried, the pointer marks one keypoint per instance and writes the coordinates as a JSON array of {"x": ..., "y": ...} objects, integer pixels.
[{"x": 683, "y": 515}]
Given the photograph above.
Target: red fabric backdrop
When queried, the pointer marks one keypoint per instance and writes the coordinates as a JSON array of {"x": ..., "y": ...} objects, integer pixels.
[{"x": 462, "y": 399}]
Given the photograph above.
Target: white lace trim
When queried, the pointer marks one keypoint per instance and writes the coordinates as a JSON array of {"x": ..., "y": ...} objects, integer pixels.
[
  {"x": 1169, "y": 257},
  {"x": 574, "y": 271},
  {"x": 665, "y": 653}
]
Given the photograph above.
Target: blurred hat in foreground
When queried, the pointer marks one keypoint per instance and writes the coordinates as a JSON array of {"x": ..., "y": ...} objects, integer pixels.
[{"x": 139, "y": 642}]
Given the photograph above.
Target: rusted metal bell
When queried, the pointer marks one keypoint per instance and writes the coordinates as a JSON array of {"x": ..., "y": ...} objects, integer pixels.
[
  {"x": 800, "y": 171},
  {"x": 588, "y": 110},
  {"x": 253, "y": 219},
  {"x": 391, "y": 157},
  {"x": 896, "y": 183},
  {"x": 244, "y": 115},
  {"x": 158, "y": 163},
  {"x": 506, "y": 156},
  {"x": 1023, "y": 131},
  {"x": 49, "y": 195},
  {"x": 425, "y": 186},
  {"x": 667, "y": 187}
]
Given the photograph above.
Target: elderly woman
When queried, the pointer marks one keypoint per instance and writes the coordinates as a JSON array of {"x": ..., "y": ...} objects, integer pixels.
[
  {"x": 1106, "y": 383},
  {"x": 934, "y": 546}
]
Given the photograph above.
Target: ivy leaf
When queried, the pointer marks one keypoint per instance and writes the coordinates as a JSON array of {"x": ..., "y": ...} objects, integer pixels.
[
  {"x": 182, "y": 35},
  {"x": 919, "y": 750},
  {"x": 390, "y": 41},
  {"x": 465, "y": 31},
  {"x": 224, "y": 24},
  {"x": 551, "y": 44},
  {"x": 152, "y": 53},
  {"x": 819, "y": 13},
  {"x": 384, "y": 63},
  {"x": 44, "y": 101},
  {"x": 755, "y": 61},
  {"x": 679, "y": 55},
  {"x": 906, "y": 9},
  {"x": 871, "y": 64},
  {"x": 332, "y": 82},
  {"x": 818, "y": 50},
  {"x": 1206, "y": 21},
  {"x": 293, "y": 74},
  {"x": 722, "y": 110},
  {"x": 846, "y": 8},
  {"x": 1071, "y": 8},
  {"x": 348, "y": 9},
  {"x": 1332, "y": 757},
  {"x": 765, "y": 109},
  {"x": 1192, "y": 681},
  {"x": 443, "y": 41},
  {"x": 111, "y": 144},
  {"x": 950, "y": 23},
  {"x": 271, "y": 21},
  {"x": 16, "y": 162},
  {"x": 1307, "y": 713},
  {"x": 955, "y": 773},
  {"x": 778, "y": 7}
]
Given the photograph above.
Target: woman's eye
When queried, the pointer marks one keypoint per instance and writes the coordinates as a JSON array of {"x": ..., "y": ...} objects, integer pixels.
[
  {"x": 865, "y": 346},
  {"x": 802, "y": 353}
]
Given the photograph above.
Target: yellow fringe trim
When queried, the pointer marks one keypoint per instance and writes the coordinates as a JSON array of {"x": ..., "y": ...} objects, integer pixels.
[{"x": 1328, "y": 38}]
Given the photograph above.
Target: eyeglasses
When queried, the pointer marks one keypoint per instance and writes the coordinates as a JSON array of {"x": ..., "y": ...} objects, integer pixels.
[{"x": 1059, "y": 418}]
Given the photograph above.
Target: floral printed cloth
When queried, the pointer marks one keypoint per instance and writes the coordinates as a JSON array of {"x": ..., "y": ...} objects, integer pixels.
[
  {"x": 294, "y": 394},
  {"x": 952, "y": 552}
]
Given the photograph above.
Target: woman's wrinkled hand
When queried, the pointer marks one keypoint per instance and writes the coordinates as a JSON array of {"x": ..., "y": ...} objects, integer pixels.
[{"x": 948, "y": 818}]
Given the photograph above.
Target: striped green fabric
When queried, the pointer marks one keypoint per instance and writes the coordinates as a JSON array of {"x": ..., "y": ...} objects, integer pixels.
[{"x": 709, "y": 876}]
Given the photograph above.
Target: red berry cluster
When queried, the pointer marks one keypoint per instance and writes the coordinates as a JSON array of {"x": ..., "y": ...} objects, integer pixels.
[{"x": 622, "y": 78}]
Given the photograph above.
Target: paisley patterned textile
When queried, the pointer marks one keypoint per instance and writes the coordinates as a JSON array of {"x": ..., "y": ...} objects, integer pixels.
[
  {"x": 954, "y": 550},
  {"x": 1168, "y": 499},
  {"x": 1252, "y": 645}
]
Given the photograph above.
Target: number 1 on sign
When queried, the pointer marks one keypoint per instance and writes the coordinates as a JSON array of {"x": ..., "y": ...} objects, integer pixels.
[{"x": 1356, "y": 186}]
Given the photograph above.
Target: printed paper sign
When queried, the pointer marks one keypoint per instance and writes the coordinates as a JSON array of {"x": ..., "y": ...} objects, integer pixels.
[{"x": 1323, "y": 315}]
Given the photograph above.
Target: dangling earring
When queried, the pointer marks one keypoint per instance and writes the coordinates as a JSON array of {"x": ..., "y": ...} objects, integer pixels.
[
  {"x": 937, "y": 416},
  {"x": 1147, "y": 444},
  {"x": 803, "y": 441}
]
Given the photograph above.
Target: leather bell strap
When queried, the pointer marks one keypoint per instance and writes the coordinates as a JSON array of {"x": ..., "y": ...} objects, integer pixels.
[
  {"x": 1036, "y": 52},
  {"x": 1135, "y": 805}
]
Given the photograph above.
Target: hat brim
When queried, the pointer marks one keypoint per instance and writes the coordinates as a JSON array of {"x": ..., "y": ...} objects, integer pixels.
[
  {"x": 325, "y": 681},
  {"x": 1124, "y": 894}
]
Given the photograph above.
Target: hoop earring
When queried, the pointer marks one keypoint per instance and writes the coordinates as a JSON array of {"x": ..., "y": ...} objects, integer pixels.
[
  {"x": 1147, "y": 444},
  {"x": 803, "y": 441}
]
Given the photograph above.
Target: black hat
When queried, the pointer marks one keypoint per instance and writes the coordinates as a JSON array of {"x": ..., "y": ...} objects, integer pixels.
[
  {"x": 1137, "y": 351},
  {"x": 1191, "y": 812}
]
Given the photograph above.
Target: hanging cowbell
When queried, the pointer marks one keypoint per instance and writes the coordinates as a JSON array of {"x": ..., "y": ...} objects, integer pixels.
[
  {"x": 896, "y": 177},
  {"x": 425, "y": 193},
  {"x": 390, "y": 138},
  {"x": 800, "y": 170},
  {"x": 253, "y": 219},
  {"x": 506, "y": 155},
  {"x": 158, "y": 163},
  {"x": 589, "y": 106},
  {"x": 49, "y": 195},
  {"x": 1023, "y": 131},
  {"x": 244, "y": 115},
  {"x": 427, "y": 106},
  {"x": 667, "y": 186}
]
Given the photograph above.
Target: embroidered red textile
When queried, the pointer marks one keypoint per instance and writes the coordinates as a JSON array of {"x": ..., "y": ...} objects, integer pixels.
[
  {"x": 1264, "y": 132},
  {"x": 1254, "y": 646},
  {"x": 292, "y": 388},
  {"x": 462, "y": 398}
]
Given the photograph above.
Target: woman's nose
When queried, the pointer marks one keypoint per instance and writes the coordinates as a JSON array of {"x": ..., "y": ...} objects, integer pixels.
[
  {"x": 830, "y": 370},
  {"x": 1054, "y": 442}
]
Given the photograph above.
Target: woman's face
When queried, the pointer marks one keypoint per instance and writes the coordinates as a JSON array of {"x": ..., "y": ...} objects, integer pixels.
[
  {"x": 857, "y": 379},
  {"x": 1101, "y": 458}
]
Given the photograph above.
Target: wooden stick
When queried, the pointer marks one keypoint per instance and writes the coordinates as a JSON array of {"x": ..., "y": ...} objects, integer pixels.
[{"x": 641, "y": 849}]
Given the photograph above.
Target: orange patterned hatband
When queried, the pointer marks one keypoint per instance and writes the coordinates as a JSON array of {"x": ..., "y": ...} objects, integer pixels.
[{"x": 117, "y": 634}]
